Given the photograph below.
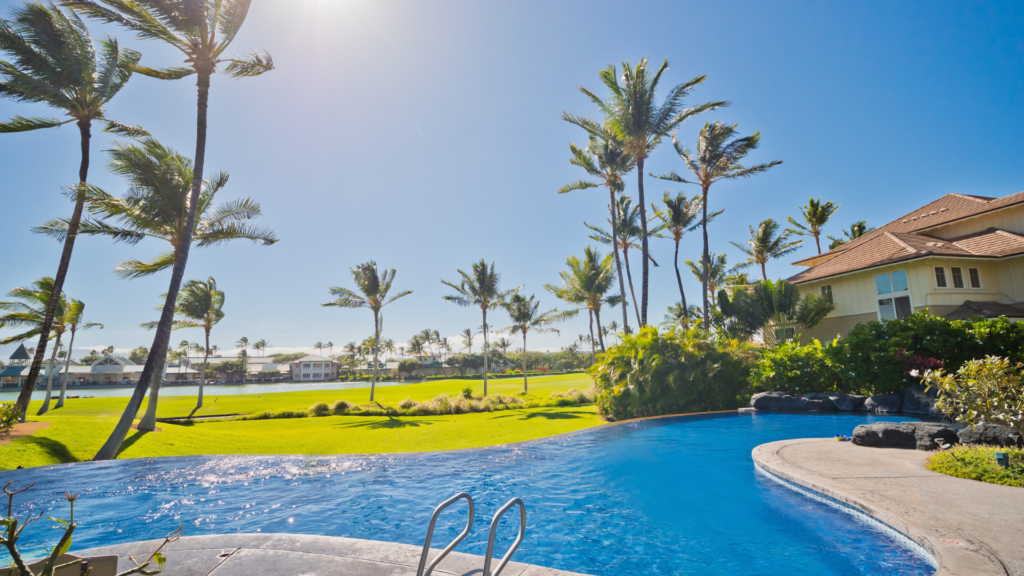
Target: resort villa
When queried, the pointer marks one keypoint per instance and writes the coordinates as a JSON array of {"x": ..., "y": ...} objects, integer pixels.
[
  {"x": 313, "y": 368},
  {"x": 111, "y": 369},
  {"x": 959, "y": 257}
]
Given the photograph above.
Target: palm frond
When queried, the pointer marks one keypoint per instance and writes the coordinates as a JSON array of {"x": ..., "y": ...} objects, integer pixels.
[
  {"x": 132, "y": 269},
  {"x": 254, "y": 64},
  {"x": 173, "y": 73},
  {"x": 125, "y": 130},
  {"x": 21, "y": 124}
]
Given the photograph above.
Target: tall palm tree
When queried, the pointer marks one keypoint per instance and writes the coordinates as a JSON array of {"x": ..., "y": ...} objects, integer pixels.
[
  {"x": 319, "y": 346},
  {"x": 416, "y": 345},
  {"x": 629, "y": 232},
  {"x": 183, "y": 348},
  {"x": 586, "y": 283},
  {"x": 243, "y": 343},
  {"x": 503, "y": 344},
  {"x": 53, "y": 61},
  {"x": 613, "y": 329},
  {"x": 374, "y": 289},
  {"x": 201, "y": 30},
  {"x": 719, "y": 156},
  {"x": 766, "y": 244},
  {"x": 633, "y": 115},
  {"x": 330, "y": 348},
  {"x": 467, "y": 340},
  {"x": 28, "y": 310},
  {"x": 605, "y": 160},
  {"x": 157, "y": 205},
  {"x": 816, "y": 215},
  {"x": 676, "y": 317},
  {"x": 678, "y": 218},
  {"x": 260, "y": 346},
  {"x": 857, "y": 229},
  {"x": 526, "y": 316},
  {"x": 482, "y": 288},
  {"x": 200, "y": 305},
  {"x": 716, "y": 273},
  {"x": 73, "y": 321}
]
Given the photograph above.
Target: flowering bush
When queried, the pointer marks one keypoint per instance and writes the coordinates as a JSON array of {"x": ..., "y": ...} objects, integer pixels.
[{"x": 987, "y": 391}]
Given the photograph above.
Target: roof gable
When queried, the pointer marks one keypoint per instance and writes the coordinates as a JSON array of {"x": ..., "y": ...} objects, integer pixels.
[{"x": 20, "y": 353}]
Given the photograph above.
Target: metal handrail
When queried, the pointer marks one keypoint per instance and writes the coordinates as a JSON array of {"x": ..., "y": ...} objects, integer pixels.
[
  {"x": 494, "y": 530},
  {"x": 430, "y": 533}
]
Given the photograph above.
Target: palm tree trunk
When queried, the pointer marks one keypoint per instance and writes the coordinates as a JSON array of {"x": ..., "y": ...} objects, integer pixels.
[
  {"x": 202, "y": 375},
  {"x": 592, "y": 351},
  {"x": 643, "y": 241},
  {"x": 84, "y": 127},
  {"x": 679, "y": 280},
  {"x": 158, "y": 350},
  {"x": 526, "y": 387},
  {"x": 618, "y": 263},
  {"x": 600, "y": 337},
  {"x": 817, "y": 241},
  {"x": 764, "y": 274},
  {"x": 487, "y": 353},
  {"x": 67, "y": 368},
  {"x": 706, "y": 258},
  {"x": 629, "y": 276},
  {"x": 376, "y": 343},
  {"x": 148, "y": 421},
  {"x": 49, "y": 379}
]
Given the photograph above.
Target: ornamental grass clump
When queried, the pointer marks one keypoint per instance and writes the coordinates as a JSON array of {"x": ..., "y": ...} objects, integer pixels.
[
  {"x": 319, "y": 409},
  {"x": 407, "y": 403},
  {"x": 341, "y": 406}
]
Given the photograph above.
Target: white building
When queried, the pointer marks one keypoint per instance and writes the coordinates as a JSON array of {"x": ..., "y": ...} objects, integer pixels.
[
  {"x": 314, "y": 368},
  {"x": 111, "y": 369}
]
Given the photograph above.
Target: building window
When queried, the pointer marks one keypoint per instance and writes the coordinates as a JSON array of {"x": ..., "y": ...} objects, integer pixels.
[
  {"x": 940, "y": 277},
  {"x": 958, "y": 277},
  {"x": 889, "y": 283},
  {"x": 826, "y": 293},
  {"x": 975, "y": 277},
  {"x": 896, "y": 306},
  {"x": 785, "y": 334},
  {"x": 306, "y": 365}
]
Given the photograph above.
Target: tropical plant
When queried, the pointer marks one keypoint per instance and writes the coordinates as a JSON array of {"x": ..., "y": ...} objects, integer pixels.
[
  {"x": 816, "y": 215},
  {"x": 795, "y": 369},
  {"x": 330, "y": 348},
  {"x": 586, "y": 283},
  {"x": 716, "y": 275},
  {"x": 629, "y": 232},
  {"x": 54, "y": 62},
  {"x": 261, "y": 347},
  {"x": 28, "y": 310},
  {"x": 74, "y": 323},
  {"x": 374, "y": 289},
  {"x": 766, "y": 244},
  {"x": 719, "y": 156},
  {"x": 319, "y": 347},
  {"x": 138, "y": 355},
  {"x": 772, "y": 310},
  {"x": 634, "y": 117},
  {"x": 984, "y": 391},
  {"x": 467, "y": 340},
  {"x": 605, "y": 160},
  {"x": 676, "y": 317},
  {"x": 503, "y": 344},
  {"x": 243, "y": 343},
  {"x": 202, "y": 31},
  {"x": 526, "y": 316},
  {"x": 613, "y": 329},
  {"x": 482, "y": 289},
  {"x": 408, "y": 366},
  {"x": 857, "y": 229},
  {"x": 678, "y": 218}
]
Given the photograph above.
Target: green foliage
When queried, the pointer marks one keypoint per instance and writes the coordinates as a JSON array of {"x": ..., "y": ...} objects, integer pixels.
[
  {"x": 408, "y": 366},
  {"x": 650, "y": 373},
  {"x": 978, "y": 463},
  {"x": 286, "y": 358},
  {"x": 797, "y": 369},
  {"x": 319, "y": 409},
  {"x": 467, "y": 393},
  {"x": 986, "y": 391},
  {"x": 139, "y": 355},
  {"x": 341, "y": 406},
  {"x": 8, "y": 417}
]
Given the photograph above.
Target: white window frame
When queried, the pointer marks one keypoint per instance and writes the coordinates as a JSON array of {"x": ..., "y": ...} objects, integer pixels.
[
  {"x": 892, "y": 294},
  {"x": 831, "y": 298}
]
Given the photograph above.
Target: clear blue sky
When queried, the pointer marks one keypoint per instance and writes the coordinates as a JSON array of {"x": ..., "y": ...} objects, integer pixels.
[{"x": 427, "y": 135}]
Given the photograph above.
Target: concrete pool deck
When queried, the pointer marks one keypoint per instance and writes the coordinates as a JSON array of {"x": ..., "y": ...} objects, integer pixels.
[
  {"x": 971, "y": 528},
  {"x": 273, "y": 554}
]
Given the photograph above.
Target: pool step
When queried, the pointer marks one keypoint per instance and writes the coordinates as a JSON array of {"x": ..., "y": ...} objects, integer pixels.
[{"x": 425, "y": 570}]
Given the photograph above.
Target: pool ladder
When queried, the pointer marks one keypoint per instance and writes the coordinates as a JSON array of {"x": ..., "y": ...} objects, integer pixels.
[{"x": 425, "y": 570}]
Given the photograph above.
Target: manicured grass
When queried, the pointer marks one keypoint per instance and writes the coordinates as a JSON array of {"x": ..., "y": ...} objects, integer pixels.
[
  {"x": 80, "y": 428},
  {"x": 978, "y": 463}
]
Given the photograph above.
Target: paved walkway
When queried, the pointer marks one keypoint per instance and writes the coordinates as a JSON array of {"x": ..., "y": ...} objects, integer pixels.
[
  {"x": 274, "y": 554},
  {"x": 971, "y": 528}
]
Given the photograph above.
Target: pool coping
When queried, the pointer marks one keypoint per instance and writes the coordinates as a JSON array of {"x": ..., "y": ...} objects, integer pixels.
[
  {"x": 280, "y": 553},
  {"x": 939, "y": 513}
]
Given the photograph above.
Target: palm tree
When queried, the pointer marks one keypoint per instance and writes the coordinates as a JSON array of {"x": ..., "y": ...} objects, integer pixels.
[
  {"x": 715, "y": 276},
  {"x": 629, "y": 232},
  {"x": 319, "y": 346},
  {"x": 719, "y": 157},
  {"x": 676, "y": 317},
  {"x": 202, "y": 30},
  {"x": 54, "y": 62},
  {"x": 816, "y": 215},
  {"x": 73, "y": 321},
  {"x": 261, "y": 347},
  {"x": 605, "y": 160},
  {"x": 634, "y": 117},
  {"x": 330, "y": 349},
  {"x": 374, "y": 291},
  {"x": 183, "y": 347},
  {"x": 416, "y": 345},
  {"x": 613, "y": 329},
  {"x": 526, "y": 316},
  {"x": 769, "y": 308},
  {"x": 467, "y": 340},
  {"x": 200, "y": 305},
  {"x": 678, "y": 218},
  {"x": 857, "y": 229},
  {"x": 586, "y": 283},
  {"x": 482, "y": 289},
  {"x": 28, "y": 310},
  {"x": 156, "y": 206},
  {"x": 766, "y": 244},
  {"x": 503, "y": 344}
]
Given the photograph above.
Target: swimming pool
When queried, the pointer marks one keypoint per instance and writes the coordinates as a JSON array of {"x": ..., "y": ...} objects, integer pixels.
[{"x": 670, "y": 496}]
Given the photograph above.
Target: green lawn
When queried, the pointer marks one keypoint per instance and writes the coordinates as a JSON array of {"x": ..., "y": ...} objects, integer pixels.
[{"x": 79, "y": 429}]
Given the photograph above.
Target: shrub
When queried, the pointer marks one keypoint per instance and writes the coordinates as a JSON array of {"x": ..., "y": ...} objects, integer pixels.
[
  {"x": 406, "y": 403},
  {"x": 467, "y": 392},
  {"x": 8, "y": 417},
  {"x": 319, "y": 409},
  {"x": 650, "y": 373},
  {"x": 797, "y": 369},
  {"x": 341, "y": 406},
  {"x": 978, "y": 463},
  {"x": 982, "y": 391},
  {"x": 270, "y": 415}
]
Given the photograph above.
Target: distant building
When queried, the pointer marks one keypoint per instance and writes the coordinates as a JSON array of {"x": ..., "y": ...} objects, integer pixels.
[
  {"x": 111, "y": 369},
  {"x": 259, "y": 368},
  {"x": 314, "y": 368}
]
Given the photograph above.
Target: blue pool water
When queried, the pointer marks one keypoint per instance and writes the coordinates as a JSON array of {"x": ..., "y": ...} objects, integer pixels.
[{"x": 671, "y": 496}]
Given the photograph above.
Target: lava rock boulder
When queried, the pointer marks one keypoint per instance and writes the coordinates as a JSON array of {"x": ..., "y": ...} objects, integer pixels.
[
  {"x": 919, "y": 400},
  {"x": 907, "y": 435},
  {"x": 992, "y": 435},
  {"x": 884, "y": 403},
  {"x": 776, "y": 401}
]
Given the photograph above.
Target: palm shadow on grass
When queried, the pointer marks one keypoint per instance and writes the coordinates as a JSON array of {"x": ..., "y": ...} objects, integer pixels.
[
  {"x": 553, "y": 415},
  {"x": 390, "y": 424},
  {"x": 131, "y": 440},
  {"x": 55, "y": 449}
]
